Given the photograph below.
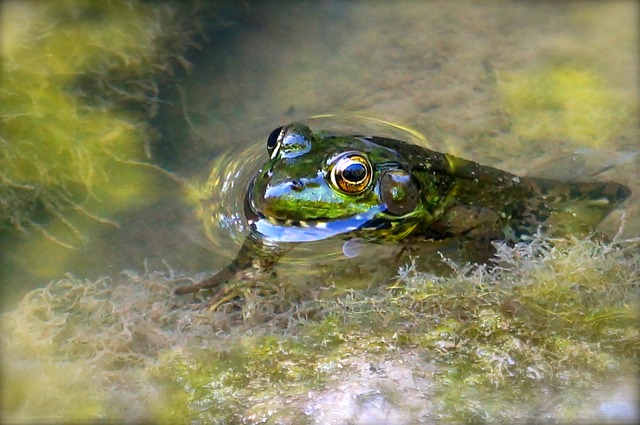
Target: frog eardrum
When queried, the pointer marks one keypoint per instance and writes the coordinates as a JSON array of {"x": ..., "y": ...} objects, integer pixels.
[
  {"x": 352, "y": 174},
  {"x": 399, "y": 192}
]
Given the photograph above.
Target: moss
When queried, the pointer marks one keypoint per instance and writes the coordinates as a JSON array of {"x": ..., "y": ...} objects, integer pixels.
[
  {"x": 540, "y": 335},
  {"x": 237, "y": 382},
  {"x": 530, "y": 330},
  {"x": 499, "y": 343}
]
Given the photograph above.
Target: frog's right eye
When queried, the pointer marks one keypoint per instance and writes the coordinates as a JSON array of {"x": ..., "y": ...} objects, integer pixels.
[
  {"x": 351, "y": 173},
  {"x": 273, "y": 142}
]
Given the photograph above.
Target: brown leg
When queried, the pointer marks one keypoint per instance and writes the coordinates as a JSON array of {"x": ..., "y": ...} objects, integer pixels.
[
  {"x": 252, "y": 249},
  {"x": 213, "y": 282}
]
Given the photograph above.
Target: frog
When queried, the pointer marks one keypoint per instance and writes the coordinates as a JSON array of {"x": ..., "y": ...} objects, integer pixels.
[{"x": 325, "y": 184}]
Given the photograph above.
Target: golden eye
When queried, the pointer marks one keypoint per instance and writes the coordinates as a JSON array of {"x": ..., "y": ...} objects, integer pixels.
[{"x": 351, "y": 173}]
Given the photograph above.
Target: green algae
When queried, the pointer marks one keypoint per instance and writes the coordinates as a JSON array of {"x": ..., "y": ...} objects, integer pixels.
[
  {"x": 57, "y": 151},
  {"x": 501, "y": 341},
  {"x": 80, "y": 81},
  {"x": 540, "y": 334},
  {"x": 563, "y": 102}
]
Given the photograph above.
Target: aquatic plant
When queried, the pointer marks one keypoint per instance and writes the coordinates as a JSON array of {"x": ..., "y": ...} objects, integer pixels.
[
  {"x": 66, "y": 143},
  {"x": 80, "y": 82},
  {"x": 544, "y": 333},
  {"x": 563, "y": 102}
]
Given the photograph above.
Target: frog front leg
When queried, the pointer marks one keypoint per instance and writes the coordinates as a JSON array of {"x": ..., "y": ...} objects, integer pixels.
[{"x": 254, "y": 254}]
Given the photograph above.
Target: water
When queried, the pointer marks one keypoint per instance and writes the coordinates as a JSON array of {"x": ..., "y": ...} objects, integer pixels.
[
  {"x": 458, "y": 73},
  {"x": 535, "y": 89}
]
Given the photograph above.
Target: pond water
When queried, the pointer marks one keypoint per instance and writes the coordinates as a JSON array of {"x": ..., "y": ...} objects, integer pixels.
[
  {"x": 547, "y": 90},
  {"x": 537, "y": 89},
  {"x": 477, "y": 81}
]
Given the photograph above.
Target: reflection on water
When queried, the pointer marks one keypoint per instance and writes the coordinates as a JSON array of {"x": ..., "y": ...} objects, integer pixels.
[{"x": 222, "y": 197}]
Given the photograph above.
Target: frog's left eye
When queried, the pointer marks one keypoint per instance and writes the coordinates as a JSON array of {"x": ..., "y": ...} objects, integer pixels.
[
  {"x": 351, "y": 173},
  {"x": 273, "y": 142}
]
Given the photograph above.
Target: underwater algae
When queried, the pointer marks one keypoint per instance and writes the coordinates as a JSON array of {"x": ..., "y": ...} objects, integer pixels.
[
  {"x": 80, "y": 81},
  {"x": 563, "y": 101},
  {"x": 542, "y": 335},
  {"x": 58, "y": 148}
]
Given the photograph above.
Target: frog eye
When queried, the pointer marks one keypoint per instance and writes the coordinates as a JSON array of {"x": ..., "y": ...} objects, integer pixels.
[
  {"x": 351, "y": 173},
  {"x": 273, "y": 142}
]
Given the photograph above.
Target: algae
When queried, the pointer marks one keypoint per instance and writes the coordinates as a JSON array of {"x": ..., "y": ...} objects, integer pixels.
[
  {"x": 80, "y": 84},
  {"x": 544, "y": 334},
  {"x": 59, "y": 152},
  {"x": 563, "y": 102}
]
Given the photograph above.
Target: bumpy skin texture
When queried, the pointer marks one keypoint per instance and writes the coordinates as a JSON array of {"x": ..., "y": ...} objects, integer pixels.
[{"x": 322, "y": 185}]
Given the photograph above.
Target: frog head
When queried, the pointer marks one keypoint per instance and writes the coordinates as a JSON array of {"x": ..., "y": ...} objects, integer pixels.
[{"x": 317, "y": 185}]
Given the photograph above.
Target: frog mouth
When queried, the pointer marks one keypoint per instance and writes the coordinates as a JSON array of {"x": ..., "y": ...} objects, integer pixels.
[
  {"x": 264, "y": 222},
  {"x": 288, "y": 230}
]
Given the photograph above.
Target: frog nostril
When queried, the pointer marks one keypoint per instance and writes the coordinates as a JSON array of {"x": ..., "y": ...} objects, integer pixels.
[{"x": 296, "y": 185}]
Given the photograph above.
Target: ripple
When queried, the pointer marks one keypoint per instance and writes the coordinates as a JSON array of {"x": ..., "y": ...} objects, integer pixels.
[{"x": 221, "y": 207}]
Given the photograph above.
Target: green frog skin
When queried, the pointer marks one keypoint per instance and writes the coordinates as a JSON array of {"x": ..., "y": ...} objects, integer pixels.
[{"x": 325, "y": 185}]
